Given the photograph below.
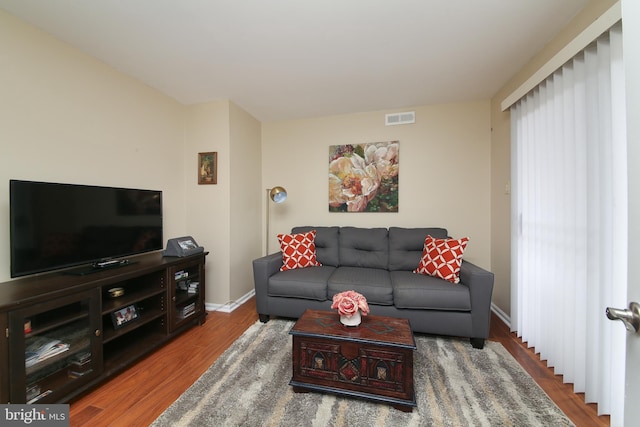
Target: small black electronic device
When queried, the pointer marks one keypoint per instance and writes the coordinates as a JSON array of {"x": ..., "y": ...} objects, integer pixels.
[{"x": 182, "y": 246}]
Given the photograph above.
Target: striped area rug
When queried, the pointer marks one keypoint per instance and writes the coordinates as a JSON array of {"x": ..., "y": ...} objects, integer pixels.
[{"x": 456, "y": 385}]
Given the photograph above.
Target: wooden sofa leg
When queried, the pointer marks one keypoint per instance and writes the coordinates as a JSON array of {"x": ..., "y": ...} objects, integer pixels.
[
  {"x": 477, "y": 343},
  {"x": 264, "y": 318}
]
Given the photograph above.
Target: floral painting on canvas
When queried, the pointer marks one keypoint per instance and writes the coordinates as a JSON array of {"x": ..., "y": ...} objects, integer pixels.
[{"x": 364, "y": 177}]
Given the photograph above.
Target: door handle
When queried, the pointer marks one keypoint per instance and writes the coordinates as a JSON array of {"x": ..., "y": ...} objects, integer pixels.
[{"x": 630, "y": 317}]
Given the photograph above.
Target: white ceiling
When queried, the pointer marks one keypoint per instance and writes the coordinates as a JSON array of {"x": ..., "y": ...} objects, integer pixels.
[{"x": 287, "y": 59}]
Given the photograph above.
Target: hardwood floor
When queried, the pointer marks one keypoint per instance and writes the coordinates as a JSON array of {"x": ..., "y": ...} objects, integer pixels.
[
  {"x": 572, "y": 404},
  {"x": 140, "y": 394}
]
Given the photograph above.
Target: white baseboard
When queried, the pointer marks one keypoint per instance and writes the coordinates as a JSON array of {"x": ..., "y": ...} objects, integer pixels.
[
  {"x": 231, "y": 305},
  {"x": 501, "y": 314}
]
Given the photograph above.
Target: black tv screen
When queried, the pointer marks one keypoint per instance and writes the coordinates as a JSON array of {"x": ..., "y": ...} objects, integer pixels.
[{"x": 55, "y": 226}]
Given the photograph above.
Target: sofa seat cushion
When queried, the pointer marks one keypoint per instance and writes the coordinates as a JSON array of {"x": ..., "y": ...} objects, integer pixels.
[
  {"x": 373, "y": 283},
  {"x": 417, "y": 291},
  {"x": 306, "y": 283}
]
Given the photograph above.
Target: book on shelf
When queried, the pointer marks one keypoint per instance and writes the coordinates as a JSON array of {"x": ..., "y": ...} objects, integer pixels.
[
  {"x": 193, "y": 287},
  {"x": 41, "y": 348},
  {"x": 80, "y": 365},
  {"x": 187, "y": 310},
  {"x": 38, "y": 397},
  {"x": 181, "y": 275},
  {"x": 82, "y": 357},
  {"x": 80, "y": 371}
]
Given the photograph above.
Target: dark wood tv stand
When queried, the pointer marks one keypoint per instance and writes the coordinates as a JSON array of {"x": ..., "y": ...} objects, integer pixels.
[{"x": 98, "y": 335}]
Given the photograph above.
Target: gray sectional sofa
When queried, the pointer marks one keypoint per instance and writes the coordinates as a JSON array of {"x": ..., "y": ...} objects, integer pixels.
[{"x": 378, "y": 263}]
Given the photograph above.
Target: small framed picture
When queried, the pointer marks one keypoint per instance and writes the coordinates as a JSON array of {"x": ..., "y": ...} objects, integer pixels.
[
  {"x": 124, "y": 316},
  {"x": 208, "y": 168}
]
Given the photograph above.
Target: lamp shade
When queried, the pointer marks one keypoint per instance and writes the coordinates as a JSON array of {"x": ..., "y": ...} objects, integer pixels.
[{"x": 278, "y": 194}]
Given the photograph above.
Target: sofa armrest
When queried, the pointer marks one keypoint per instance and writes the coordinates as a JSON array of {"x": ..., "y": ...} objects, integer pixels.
[
  {"x": 480, "y": 284},
  {"x": 263, "y": 268}
]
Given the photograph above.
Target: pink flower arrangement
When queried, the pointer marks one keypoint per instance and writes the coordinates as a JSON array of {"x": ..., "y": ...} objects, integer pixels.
[{"x": 349, "y": 302}]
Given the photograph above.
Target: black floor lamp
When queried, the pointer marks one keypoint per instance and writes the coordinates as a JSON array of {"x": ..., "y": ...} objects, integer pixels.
[{"x": 277, "y": 195}]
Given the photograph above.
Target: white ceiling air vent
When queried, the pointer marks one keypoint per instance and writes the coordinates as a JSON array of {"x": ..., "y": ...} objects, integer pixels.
[{"x": 400, "y": 118}]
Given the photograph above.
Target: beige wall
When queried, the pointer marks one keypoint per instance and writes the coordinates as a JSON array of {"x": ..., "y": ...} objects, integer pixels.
[
  {"x": 444, "y": 171},
  {"x": 207, "y": 207},
  {"x": 500, "y": 153},
  {"x": 66, "y": 117},
  {"x": 225, "y": 217},
  {"x": 246, "y": 192}
]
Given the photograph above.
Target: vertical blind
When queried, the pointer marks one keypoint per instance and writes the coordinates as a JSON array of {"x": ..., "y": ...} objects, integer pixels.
[{"x": 569, "y": 221}]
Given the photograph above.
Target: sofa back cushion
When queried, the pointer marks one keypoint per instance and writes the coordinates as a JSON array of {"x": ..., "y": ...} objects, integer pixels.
[
  {"x": 327, "y": 246},
  {"x": 364, "y": 247},
  {"x": 406, "y": 245}
]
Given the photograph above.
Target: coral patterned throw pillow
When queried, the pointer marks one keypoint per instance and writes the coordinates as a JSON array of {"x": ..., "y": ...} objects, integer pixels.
[
  {"x": 298, "y": 250},
  {"x": 442, "y": 258}
]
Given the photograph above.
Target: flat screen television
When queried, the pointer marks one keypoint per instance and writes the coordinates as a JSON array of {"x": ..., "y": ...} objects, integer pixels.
[{"x": 55, "y": 226}]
